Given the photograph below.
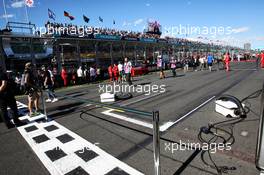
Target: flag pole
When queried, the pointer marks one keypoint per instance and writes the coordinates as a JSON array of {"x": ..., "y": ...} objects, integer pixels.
[
  {"x": 26, "y": 13},
  {"x": 5, "y": 11}
]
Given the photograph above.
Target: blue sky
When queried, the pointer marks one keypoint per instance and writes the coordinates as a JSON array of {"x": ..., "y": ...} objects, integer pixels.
[{"x": 243, "y": 16}]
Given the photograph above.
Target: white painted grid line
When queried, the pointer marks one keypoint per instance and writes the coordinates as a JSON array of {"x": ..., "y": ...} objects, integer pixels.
[
  {"x": 127, "y": 119},
  {"x": 163, "y": 127},
  {"x": 167, "y": 125}
]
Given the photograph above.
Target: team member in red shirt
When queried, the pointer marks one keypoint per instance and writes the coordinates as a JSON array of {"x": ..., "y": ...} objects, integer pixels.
[
  {"x": 115, "y": 72},
  {"x": 64, "y": 76},
  {"x": 227, "y": 61},
  {"x": 110, "y": 72},
  {"x": 132, "y": 72},
  {"x": 262, "y": 59}
]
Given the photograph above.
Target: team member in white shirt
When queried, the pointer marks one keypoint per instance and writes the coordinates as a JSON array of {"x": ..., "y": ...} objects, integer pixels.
[
  {"x": 80, "y": 75},
  {"x": 92, "y": 73},
  {"x": 121, "y": 72},
  {"x": 127, "y": 68},
  {"x": 202, "y": 62}
]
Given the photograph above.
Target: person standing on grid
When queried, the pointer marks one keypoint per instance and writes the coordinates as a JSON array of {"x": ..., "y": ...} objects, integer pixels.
[
  {"x": 127, "y": 68},
  {"x": 115, "y": 73},
  {"x": 173, "y": 66},
  {"x": 7, "y": 99},
  {"x": 227, "y": 62},
  {"x": 185, "y": 65},
  {"x": 262, "y": 59},
  {"x": 210, "y": 60},
  {"x": 32, "y": 90},
  {"x": 160, "y": 67},
  {"x": 121, "y": 72},
  {"x": 202, "y": 60},
  {"x": 80, "y": 75},
  {"x": 110, "y": 72},
  {"x": 49, "y": 85}
]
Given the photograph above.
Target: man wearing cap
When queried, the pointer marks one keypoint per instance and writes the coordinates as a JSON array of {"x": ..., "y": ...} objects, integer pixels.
[
  {"x": 31, "y": 90},
  {"x": 7, "y": 99}
]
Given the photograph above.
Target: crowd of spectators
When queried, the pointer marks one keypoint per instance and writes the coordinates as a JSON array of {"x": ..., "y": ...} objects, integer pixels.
[
  {"x": 88, "y": 31},
  {"x": 71, "y": 30},
  {"x": 74, "y": 30}
]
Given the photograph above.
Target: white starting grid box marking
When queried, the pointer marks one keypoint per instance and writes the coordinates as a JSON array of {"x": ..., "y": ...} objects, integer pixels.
[
  {"x": 64, "y": 153},
  {"x": 23, "y": 113}
]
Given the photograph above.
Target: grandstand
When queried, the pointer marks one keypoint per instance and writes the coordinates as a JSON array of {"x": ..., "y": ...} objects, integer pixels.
[{"x": 99, "y": 47}]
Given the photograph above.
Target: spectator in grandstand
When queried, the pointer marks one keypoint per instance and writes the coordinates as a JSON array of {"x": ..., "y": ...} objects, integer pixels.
[
  {"x": 80, "y": 75},
  {"x": 127, "y": 69},
  {"x": 160, "y": 66},
  {"x": 115, "y": 72},
  {"x": 121, "y": 72},
  {"x": 64, "y": 76},
  {"x": 173, "y": 66},
  {"x": 210, "y": 60},
  {"x": 227, "y": 61},
  {"x": 110, "y": 73},
  {"x": 32, "y": 90},
  {"x": 7, "y": 99},
  {"x": 49, "y": 85}
]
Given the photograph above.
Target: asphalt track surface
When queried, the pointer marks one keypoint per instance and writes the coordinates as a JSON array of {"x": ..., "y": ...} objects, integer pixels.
[{"x": 185, "y": 106}]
